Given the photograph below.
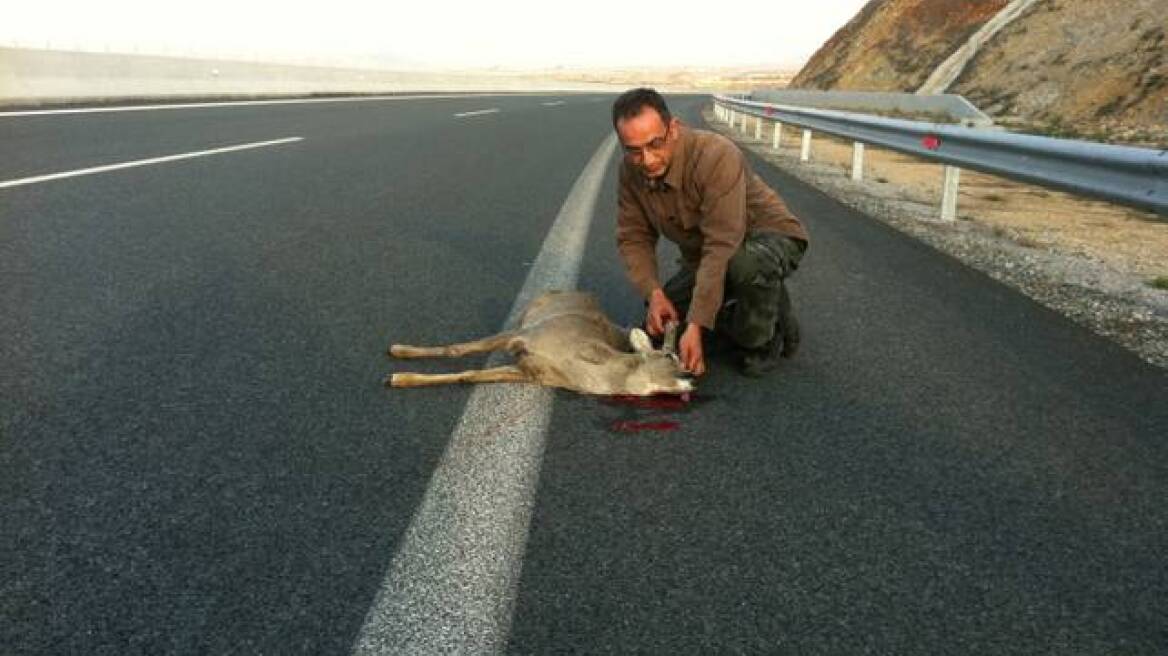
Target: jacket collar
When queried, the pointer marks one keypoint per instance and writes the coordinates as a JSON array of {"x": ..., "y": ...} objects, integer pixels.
[{"x": 677, "y": 166}]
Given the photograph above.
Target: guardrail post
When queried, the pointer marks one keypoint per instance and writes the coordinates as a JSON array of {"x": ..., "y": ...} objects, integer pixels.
[
  {"x": 949, "y": 197},
  {"x": 758, "y": 128},
  {"x": 857, "y": 161},
  {"x": 805, "y": 155},
  {"x": 778, "y": 140}
]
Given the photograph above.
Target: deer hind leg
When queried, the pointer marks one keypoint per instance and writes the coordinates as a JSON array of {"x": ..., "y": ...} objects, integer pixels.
[
  {"x": 505, "y": 374},
  {"x": 485, "y": 345}
]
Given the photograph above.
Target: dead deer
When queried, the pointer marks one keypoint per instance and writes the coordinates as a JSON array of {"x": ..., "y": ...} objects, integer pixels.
[{"x": 564, "y": 340}]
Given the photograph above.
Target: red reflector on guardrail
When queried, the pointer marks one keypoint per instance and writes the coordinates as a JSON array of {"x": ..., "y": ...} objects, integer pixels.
[{"x": 931, "y": 142}]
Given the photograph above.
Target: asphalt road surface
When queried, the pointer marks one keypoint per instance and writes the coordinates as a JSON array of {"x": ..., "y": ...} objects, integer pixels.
[{"x": 197, "y": 455}]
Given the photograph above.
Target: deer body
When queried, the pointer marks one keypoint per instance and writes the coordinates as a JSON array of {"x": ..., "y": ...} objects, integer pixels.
[{"x": 563, "y": 340}]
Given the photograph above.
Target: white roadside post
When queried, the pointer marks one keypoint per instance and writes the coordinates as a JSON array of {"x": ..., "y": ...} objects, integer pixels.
[
  {"x": 949, "y": 196},
  {"x": 805, "y": 155},
  {"x": 731, "y": 121},
  {"x": 758, "y": 128},
  {"x": 778, "y": 140},
  {"x": 857, "y": 161}
]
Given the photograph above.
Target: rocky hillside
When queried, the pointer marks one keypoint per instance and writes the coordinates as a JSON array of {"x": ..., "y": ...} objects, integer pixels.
[
  {"x": 1089, "y": 68},
  {"x": 1095, "y": 68},
  {"x": 893, "y": 45}
]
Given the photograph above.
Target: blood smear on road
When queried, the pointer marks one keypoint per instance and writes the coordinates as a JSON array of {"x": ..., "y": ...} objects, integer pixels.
[
  {"x": 634, "y": 426},
  {"x": 658, "y": 402}
]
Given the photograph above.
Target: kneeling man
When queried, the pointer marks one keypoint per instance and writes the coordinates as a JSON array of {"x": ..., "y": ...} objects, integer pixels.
[{"x": 737, "y": 238}]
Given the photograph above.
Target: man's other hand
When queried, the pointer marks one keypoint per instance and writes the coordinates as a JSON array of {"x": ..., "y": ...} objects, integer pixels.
[
  {"x": 690, "y": 350},
  {"x": 661, "y": 311}
]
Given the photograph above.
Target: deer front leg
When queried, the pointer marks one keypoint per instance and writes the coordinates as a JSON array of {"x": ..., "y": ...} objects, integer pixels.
[
  {"x": 485, "y": 345},
  {"x": 505, "y": 374}
]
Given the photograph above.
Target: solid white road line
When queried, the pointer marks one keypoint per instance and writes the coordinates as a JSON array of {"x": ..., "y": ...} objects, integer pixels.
[
  {"x": 143, "y": 162},
  {"x": 451, "y": 586},
  {"x": 477, "y": 112},
  {"x": 233, "y": 103}
]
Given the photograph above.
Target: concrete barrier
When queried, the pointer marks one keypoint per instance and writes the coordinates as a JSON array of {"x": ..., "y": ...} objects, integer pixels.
[{"x": 34, "y": 77}]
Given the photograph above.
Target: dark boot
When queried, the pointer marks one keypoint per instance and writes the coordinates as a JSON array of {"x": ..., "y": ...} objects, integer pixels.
[
  {"x": 787, "y": 325},
  {"x": 784, "y": 343},
  {"x": 761, "y": 361}
]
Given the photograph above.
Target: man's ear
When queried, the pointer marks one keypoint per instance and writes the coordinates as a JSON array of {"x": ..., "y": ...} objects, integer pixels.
[{"x": 640, "y": 341}]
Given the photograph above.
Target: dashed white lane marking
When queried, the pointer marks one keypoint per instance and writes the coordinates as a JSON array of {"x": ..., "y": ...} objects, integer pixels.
[
  {"x": 554, "y": 103},
  {"x": 451, "y": 587},
  {"x": 143, "y": 162},
  {"x": 478, "y": 112},
  {"x": 235, "y": 103}
]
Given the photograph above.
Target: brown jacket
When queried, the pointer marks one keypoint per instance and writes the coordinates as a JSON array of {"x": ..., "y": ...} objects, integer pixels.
[{"x": 706, "y": 203}]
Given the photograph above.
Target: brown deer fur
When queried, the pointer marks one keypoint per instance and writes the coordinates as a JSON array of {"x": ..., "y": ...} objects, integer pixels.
[{"x": 563, "y": 340}]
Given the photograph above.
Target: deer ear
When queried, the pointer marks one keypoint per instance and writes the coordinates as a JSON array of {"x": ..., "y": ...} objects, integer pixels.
[{"x": 640, "y": 341}]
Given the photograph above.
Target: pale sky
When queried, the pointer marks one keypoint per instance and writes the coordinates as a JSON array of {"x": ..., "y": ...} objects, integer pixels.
[{"x": 442, "y": 33}]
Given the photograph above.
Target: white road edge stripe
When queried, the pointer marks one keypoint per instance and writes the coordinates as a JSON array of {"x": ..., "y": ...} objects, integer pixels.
[
  {"x": 452, "y": 584},
  {"x": 143, "y": 162},
  {"x": 478, "y": 112}
]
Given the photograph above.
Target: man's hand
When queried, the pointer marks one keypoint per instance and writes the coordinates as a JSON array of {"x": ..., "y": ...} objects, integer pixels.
[
  {"x": 690, "y": 350},
  {"x": 661, "y": 311}
]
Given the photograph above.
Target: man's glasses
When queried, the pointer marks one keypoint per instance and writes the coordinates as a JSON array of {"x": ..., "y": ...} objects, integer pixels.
[{"x": 636, "y": 153}]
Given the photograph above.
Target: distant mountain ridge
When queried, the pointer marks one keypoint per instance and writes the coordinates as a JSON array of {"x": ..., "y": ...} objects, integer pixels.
[{"x": 1091, "y": 68}]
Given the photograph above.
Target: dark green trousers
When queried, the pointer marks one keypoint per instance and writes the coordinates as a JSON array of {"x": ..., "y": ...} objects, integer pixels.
[{"x": 755, "y": 303}]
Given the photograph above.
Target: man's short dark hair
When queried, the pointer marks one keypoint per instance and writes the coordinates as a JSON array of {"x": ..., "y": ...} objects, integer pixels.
[{"x": 631, "y": 102}]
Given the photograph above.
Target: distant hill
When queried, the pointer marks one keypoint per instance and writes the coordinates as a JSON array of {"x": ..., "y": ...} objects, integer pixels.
[{"x": 1092, "y": 68}]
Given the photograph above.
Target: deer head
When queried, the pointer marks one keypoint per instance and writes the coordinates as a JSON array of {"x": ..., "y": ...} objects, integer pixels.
[{"x": 655, "y": 371}]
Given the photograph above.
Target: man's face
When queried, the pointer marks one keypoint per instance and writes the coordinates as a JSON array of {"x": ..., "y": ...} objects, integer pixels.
[{"x": 648, "y": 141}]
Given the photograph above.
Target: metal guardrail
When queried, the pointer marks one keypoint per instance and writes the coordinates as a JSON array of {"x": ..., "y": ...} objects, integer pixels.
[
  {"x": 1132, "y": 176},
  {"x": 952, "y": 106}
]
